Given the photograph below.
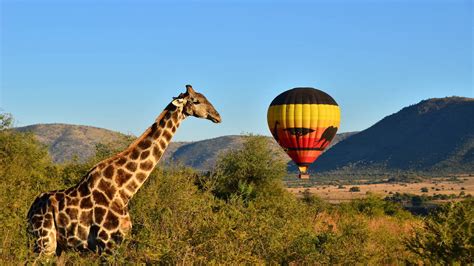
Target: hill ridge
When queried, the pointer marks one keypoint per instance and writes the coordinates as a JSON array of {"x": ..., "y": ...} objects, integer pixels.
[
  {"x": 431, "y": 135},
  {"x": 65, "y": 141}
]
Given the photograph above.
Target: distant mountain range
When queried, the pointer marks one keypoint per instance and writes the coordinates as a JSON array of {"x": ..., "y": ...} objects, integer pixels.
[
  {"x": 66, "y": 142},
  {"x": 435, "y": 134}
]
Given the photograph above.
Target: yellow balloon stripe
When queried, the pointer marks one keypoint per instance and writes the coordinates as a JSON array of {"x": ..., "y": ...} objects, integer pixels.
[{"x": 304, "y": 115}]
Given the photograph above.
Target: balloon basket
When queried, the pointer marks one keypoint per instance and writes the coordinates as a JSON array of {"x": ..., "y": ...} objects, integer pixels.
[
  {"x": 303, "y": 172},
  {"x": 303, "y": 176}
]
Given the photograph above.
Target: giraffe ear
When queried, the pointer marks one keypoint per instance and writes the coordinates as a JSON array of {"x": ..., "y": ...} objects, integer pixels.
[{"x": 177, "y": 102}]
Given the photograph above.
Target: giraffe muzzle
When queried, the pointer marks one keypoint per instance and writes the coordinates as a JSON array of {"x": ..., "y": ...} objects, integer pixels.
[{"x": 215, "y": 119}]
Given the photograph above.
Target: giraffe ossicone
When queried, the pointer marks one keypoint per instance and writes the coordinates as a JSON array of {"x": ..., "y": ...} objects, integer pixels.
[{"x": 93, "y": 215}]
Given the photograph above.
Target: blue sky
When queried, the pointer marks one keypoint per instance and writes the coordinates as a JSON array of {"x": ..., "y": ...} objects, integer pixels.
[{"x": 116, "y": 64}]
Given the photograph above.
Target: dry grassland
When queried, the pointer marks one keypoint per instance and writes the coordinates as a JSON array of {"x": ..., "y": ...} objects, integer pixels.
[{"x": 335, "y": 194}]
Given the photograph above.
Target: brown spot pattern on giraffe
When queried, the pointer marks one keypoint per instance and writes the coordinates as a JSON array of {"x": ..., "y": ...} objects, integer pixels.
[
  {"x": 83, "y": 189},
  {"x": 109, "y": 172},
  {"x": 144, "y": 144},
  {"x": 82, "y": 233},
  {"x": 107, "y": 188},
  {"x": 147, "y": 165},
  {"x": 58, "y": 196},
  {"x": 117, "y": 208},
  {"x": 111, "y": 221},
  {"x": 61, "y": 205},
  {"x": 162, "y": 144},
  {"x": 95, "y": 177},
  {"x": 73, "y": 213},
  {"x": 157, "y": 133},
  {"x": 167, "y": 135},
  {"x": 121, "y": 161},
  {"x": 73, "y": 193},
  {"x": 153, "y": 129},
  {"x": 122, "y": 177},
  {"x": 124, "y": 196},
  {"x": 156, "y": 153},
  {"x": 135, "y": 154},
  {"x": 71, "y": 229},
  {"x": 131, "y": 166},
  {"x": 63, "y": 220},
  {"x": 47, "y": 223},
  {"x": 140, "y": 177},
  {"x": 86, "y": 203},
  {"x": 86, "y": 218},
  {"x": 144, "y": 155},
  {"x": 132, "y": 186},
  {"x": 99, "y": 214},
  {"x": 99, "y": 198},
  {"x": 72, "y": 201}
]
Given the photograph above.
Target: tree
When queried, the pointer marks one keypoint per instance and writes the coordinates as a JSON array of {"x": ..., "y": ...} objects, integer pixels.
[
  {"x": 447, "y": 235},
  {"x": 243, "y": 171},
  {"x": 6, "y": 121}
]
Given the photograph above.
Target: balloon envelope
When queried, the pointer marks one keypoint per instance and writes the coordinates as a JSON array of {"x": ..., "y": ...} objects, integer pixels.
[{"x": 303, "y": 121}]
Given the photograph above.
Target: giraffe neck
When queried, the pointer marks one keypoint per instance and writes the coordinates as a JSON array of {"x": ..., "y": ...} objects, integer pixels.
[{"x": 128, "y": 170}]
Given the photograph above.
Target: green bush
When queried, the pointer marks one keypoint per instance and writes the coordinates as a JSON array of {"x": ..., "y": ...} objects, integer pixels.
[
  {"x": 374, "y": 205},
  {"x": 447, "y": 235},
  {"x": 245, "y": 171},
  {"x": 25, "y": 170}
]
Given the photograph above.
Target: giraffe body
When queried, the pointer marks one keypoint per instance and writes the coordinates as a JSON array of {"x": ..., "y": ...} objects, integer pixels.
[{"x": 93, "y": 215}]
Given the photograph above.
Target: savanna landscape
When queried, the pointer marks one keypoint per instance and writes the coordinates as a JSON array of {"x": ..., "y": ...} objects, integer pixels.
[
  {"x": 314, "y": 132},
  {"x": 241, "y": 211}
]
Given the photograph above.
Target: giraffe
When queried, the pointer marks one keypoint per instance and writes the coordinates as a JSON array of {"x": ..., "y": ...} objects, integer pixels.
[{"x": 93, "y": 215}]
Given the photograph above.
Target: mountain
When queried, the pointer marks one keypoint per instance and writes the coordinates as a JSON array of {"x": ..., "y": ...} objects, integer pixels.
[
  {"x": 433, "y": 135},
  {"x": 65, "y": 142},
  {"x": 203, "y": 154}
]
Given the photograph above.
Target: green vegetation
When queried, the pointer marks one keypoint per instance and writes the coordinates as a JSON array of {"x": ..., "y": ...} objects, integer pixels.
[
  {"x": 406, "y": 198},
  {"x": 238, "y": 214},
  {"x": 447, "y": 235}
]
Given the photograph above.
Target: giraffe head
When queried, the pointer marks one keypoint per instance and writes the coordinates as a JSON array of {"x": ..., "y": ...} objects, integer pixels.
[{"x": 197, "y": 105}]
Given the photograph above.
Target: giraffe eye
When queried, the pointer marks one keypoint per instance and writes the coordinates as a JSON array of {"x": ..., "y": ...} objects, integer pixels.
[{"x": 195, "y": 101}]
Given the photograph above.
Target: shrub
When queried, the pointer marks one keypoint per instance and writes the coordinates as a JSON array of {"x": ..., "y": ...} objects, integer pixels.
[
  {"x": 243, "y": 172},
  {"x": 25, "y": 171},
  {"x": 354, "y": 189},
  {"x": 447, "y": 235}
]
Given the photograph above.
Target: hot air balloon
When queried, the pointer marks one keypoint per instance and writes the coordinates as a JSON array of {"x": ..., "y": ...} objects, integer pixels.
[{"x": 303, "y": 121}]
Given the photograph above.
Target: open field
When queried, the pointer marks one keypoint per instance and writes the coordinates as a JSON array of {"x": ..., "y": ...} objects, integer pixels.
[{"x": 447, "y": 186}]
